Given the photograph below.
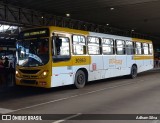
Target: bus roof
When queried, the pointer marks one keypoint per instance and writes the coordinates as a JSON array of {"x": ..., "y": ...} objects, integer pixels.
[
  {"x": 54, "y": 28},
  {"x": 141, "y": 40},
  {"x": 81, "y": 32}
]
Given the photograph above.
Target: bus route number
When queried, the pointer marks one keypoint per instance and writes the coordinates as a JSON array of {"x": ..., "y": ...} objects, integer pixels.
[{"x": 80, "y": 60}]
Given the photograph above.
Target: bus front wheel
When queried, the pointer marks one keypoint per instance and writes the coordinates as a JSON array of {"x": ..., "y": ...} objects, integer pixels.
[
  {"x": 80, "y": 79},
  {"x": 133, "y": 72}
]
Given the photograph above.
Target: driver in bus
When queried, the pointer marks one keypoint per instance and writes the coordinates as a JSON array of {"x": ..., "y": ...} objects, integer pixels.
[{"x": 42, "y": 48}]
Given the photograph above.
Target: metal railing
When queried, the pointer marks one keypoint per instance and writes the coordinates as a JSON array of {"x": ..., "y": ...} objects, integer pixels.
[{"x": 28, "y": 18}]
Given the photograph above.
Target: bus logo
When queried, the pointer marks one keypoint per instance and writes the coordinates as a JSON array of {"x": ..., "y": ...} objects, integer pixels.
[{"x": 115, "y": 61}]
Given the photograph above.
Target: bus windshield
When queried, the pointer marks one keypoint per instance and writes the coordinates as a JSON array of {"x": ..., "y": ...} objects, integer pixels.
[{"x": 33, "y": 52}]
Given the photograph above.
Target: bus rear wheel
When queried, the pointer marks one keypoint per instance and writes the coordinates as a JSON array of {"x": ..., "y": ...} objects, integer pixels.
[
  {"x": 133, "y": 72},
  {"x": 80, "y": 79}
]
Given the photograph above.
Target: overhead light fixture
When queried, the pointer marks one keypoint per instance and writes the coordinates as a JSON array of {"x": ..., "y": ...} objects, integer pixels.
[
  {"x": 132, "y": 30},
  {"x": 42, "y": 17},
  {"x": 107, "y": 24},
  {"x": 111, "y": 8},
  {"x": 7, "y": 37},
  {"x": 68, "y": 15}
]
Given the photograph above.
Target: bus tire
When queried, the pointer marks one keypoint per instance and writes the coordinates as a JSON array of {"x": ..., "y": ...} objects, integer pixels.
[
  {"x": 80, "y": 79},
  {"x": 133, "y": 72}
]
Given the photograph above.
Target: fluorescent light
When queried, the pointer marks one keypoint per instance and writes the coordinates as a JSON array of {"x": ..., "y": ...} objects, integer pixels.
[
  {"x": 111, "y": 8},
  {"x": 68, "y": 15},
  {"x": 7, "y": 27}
]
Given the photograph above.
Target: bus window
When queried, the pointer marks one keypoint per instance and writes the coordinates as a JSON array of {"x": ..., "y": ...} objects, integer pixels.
[
  {"x": 138, "y": 48},
  {"x": 79, "y": 45},
  {"x": 107, "y": 46},
  {"x": 43, "y": 46},
  {"x": 61, "y": 48},
  {"x": 145, "y": 49},
  {"x": 30, "y": 52},
  {"x": 94, "y": 45},
  {"x": 150, "y": 49},
  {"x": 129, "y": 48},
  {"x": 120, "y": 47}
]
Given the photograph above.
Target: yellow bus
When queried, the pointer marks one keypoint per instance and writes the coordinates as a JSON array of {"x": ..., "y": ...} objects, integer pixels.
[{"x": 55, "y": 56}]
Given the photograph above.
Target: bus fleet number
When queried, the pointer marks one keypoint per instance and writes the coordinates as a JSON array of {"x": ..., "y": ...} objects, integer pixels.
[{"x": 80, "y": 60}]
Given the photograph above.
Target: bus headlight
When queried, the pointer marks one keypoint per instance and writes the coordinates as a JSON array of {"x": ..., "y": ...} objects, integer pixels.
[
  {"x": 17, "y": 73},
  {"x": 44, "y": 74}
]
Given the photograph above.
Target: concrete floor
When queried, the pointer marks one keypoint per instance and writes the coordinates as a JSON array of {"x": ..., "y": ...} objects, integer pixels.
[{"x": 111, "y": 96}]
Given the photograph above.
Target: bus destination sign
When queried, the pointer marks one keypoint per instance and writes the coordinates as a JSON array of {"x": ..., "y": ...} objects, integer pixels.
[{"x": 35, "y": 33}]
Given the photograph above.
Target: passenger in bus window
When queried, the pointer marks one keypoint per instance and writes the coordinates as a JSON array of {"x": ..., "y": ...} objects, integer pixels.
[{"x": 58, "y": 43}]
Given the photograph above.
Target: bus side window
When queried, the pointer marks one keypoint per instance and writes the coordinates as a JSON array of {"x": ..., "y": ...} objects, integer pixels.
[
  {"x": 138, "y": 48},
  {"x": 94, "y": 45},
  {"x": 61, "y": 48},
  {"x": 58, "y": 45},
  {"x": 120, "y": 45},
  {"x": 150, "y": 49},
  {"x": 134, "y": 48},
  {"x": 79, "y": 45},
  {"x": 145, "y": 48},
  {"x": 107, "y": 46},
  {"x": 129, "y": 48}
]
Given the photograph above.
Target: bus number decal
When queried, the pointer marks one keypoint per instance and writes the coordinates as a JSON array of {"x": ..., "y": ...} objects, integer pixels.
[{"x": 80, "y": 60}]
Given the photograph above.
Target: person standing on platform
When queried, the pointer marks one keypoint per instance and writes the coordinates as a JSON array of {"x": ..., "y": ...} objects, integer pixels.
[
  {"x": 1, "y": 63},
  {"x": 6, "y": 62},
  {"x": 2, "y": 73},
  {"x": 6, "y": 71}
]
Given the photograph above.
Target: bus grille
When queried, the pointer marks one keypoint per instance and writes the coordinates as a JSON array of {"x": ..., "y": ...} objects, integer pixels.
[
  {"x": 29, "y": 71},
  {"x": 29, "y": 76},
  {"x": 33, "y": 82}
]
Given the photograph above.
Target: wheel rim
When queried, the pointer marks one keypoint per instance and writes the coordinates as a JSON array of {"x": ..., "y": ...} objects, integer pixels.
[{"x": 80, "y": 79}]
